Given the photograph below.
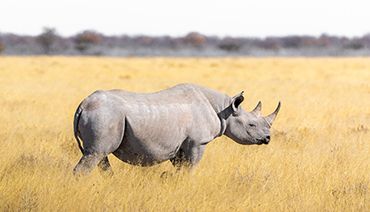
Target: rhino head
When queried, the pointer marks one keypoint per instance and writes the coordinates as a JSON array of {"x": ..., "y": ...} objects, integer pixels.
[{"x": 247, "y": 127}]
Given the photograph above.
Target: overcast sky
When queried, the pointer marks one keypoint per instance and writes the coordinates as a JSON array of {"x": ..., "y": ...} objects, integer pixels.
[{"x": 169, "y": 17}]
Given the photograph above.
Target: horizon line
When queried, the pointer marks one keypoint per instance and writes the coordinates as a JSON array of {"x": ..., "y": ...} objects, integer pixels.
[{"x": 183, "y": 34}]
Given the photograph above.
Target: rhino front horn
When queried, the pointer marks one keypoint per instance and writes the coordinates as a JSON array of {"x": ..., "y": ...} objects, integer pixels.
[
  {"x": 270, "y": 118},
  {"x": 257, "y": 109}
]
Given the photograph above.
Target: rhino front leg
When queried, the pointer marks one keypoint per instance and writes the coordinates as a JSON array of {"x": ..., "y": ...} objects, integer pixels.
[
  {"x": 188, "y": 157},
  {"x": 196, "y": 154}
]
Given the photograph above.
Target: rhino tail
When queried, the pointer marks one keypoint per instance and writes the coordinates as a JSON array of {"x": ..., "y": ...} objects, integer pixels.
[{"x": 75, "y": 127}]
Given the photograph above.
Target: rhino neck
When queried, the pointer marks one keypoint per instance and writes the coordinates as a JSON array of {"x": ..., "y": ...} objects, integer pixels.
[
  {"x": 218, "y": 100},
  {"x": 221, "y": 105}
]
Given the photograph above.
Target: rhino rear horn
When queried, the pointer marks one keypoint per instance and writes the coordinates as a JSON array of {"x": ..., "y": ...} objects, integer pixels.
[
  {"x": 270, "y": 118},
  {"x": 257, "y": 109}
]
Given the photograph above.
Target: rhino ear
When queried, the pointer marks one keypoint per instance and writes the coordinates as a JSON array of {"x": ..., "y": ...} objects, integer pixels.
[{"x": 236, "y": 101}]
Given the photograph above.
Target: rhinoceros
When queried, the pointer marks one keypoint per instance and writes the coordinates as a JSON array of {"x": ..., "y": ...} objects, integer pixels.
[{"x": 174, "y": 124}]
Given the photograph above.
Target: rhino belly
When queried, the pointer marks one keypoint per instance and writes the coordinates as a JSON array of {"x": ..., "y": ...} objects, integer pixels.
[{"x": 140, "y": 153}]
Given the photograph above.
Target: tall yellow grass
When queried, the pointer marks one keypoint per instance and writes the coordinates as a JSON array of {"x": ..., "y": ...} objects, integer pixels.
[{"x": 318, "y": 159}]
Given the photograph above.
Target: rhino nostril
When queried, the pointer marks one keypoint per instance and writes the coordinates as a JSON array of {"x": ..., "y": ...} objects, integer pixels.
[{"x": 268, "y": 137}]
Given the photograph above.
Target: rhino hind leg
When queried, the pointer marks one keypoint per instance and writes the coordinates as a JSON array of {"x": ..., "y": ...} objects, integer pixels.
[
  {"x": 87, "y": 163},
  {"x": 99, "y": 140},
  {"x": 105, "y": 167}
]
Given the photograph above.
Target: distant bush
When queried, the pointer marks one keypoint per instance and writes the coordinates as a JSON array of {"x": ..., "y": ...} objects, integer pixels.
[
  {"x": 230, "y": 45},
  {"x": 291, "y": 41},
  {"x": 355, "y": 44},
  {"x": 271, "y": 43},
  {"x": 2, "y": 47},
  {"x": 195, "y": 39},
  {"x": 47, "y": 39},
  {"x": 366, "y": 40},
  {"x": 145, "y": 40},
  {"x": 86, "y": 39}
]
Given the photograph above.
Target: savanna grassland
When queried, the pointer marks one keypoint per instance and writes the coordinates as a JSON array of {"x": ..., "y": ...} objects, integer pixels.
[{"x": 318, "y": 158}]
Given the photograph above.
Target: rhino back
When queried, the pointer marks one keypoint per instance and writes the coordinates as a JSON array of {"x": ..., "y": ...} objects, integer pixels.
[{"x": 177, "y": 110}]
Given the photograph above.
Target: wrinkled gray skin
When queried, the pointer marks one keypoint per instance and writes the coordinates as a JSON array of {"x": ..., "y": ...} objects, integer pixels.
[{"x": 174, "y": 124}]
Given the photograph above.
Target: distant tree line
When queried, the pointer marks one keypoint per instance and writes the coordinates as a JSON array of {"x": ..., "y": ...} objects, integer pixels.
[{"x": 90, "y": 42}]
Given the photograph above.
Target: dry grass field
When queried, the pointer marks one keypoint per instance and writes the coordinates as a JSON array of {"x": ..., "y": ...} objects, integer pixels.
[{"x": 318, "y": 158}]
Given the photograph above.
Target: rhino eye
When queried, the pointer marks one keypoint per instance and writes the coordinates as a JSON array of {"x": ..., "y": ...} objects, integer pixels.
[{"x": 252, "y": 125}]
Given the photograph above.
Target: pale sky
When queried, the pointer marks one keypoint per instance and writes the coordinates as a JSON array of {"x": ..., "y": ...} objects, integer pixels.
[{"x": 165, "y": 17}]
